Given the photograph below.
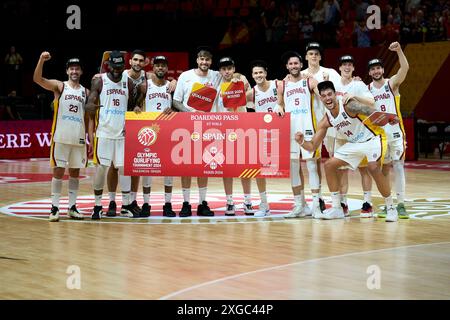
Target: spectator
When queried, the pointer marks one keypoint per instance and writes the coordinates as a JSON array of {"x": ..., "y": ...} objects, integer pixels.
[
  {"x": 307, "y": 29},
  {"x": 391, "y": 30},
  {"x": 406, "y": 29},
  {"x": 279, "y": 27},
  {"x": 332, "y": 18},
  {"x": 361, "y": 10},
  {"x": 344, "y": 35},
  {"x": 293, "y": 20},
  {"x": 8, "y": 109},
  {"x": 317, "y": 18},
  {"x": 268, "y": 17},
  {"x": 362, "y": 34},
  {"x": 13, "y": 61}
]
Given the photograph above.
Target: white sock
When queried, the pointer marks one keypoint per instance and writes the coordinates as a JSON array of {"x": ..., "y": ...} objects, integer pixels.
[
  {"x": 336, "y": 199},
  {"x": 73, "y": 191},
  {"x": 146, "y": 197},
  {"x": 132, "y": 196},
  {"x": 202, "y": 194},
  {"x": 344, "y": 199},
  {"x": 298, "y": 200},
  {"x": 229, "y": 198},
  {"x": 247, "y": 198},
  {"x": 125, "y": 198},
  {"x": 168, "y": 197},
  {"x": 368, "y": 197},
  {"x": 315, "y": 197},
  {"x": 56, "y": 191},
  {"x": 112, "y": 196},
  {"x": 186, "y": 195},
  {"x": 263, "y": 196},
  {"x": 389, "y": 202},
  {"x": 98, "y": 200}
]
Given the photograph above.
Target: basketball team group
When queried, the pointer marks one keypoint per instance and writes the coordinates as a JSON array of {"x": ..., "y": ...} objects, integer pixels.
[{"x": 359, "y": 124}]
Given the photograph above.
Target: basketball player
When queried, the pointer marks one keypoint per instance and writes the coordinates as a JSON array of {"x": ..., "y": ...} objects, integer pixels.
[
  {"x": 113, "y": 90},
  {"x": 138, "y": 76},
  {"x": 314, "y": 56},
  {"x": 158, "y": 99},
  {"x": 295, "y": 95},
  {"x": 363, "y": 140},
  {"x": 262, "y": 98},
  {"x": 204, "y": 75},
  {"x": 68, "y": 147},
  {"x": 227, "y": 69},
  {"x": 387, "y": 98},
  {"x": 350, "y": 88}
]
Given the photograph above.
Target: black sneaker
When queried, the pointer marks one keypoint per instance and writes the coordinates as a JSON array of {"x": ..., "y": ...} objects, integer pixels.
[
  {"x": 112, "y": 209},
  {"x": 135, "y": 209},
  {"x": 186, "y": 210},
  {"x": 97, "y": 214},
  {"x": 204, "y": 211},
  {"x": 322, "y": 205},
  {"x": 168, "y": 212},
  {"x": 145, "y": 211},
  {"x": 231, "y": 210}
]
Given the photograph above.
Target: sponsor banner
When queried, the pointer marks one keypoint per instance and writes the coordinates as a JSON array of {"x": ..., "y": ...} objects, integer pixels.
[
  {"x": 193, "y": 144},
  {"x": 177, "y": 62},
  {"x": 202, "y": 97},
  {"x": 233, "y": 95},
  {"x": 25, "y": 139}
]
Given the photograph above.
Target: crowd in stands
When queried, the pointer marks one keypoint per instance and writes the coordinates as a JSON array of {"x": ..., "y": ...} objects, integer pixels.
[{"x": 230, "y": 23}]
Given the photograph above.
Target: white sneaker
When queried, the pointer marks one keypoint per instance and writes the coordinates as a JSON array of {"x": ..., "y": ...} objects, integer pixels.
[
  {"x": 74, "y": 214},
  {"x": 316, "y": 213},
  {"x": 54, "y": 214},
  {"x": 307, "y": 210},
  {"x": 231, "y": 210},
  {"x": 392, "y": 214},
  {"x": 124, "y": 212},
  {"x": 263, "y": 211},
  {"x": 297, "y": 212},
  {"x": 333, "y": 213},
  {"x": 248, "y": 209}
]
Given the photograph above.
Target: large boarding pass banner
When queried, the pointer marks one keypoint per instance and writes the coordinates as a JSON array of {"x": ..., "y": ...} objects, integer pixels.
[{"x": 198, "y": 144}]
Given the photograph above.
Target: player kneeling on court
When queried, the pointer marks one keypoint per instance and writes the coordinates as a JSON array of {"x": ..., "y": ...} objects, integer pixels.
[{"x": 363, "y": 140}]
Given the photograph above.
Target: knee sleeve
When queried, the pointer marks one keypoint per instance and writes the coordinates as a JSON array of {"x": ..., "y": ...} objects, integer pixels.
[
  {"x": 168, "y": 181},
  {"x": 314, "y": 182},
  {"x": 147, "y": 182},
  {"x": 295, "y": 173},
  {"x": 399, "y": 175},
  {"x": 99, "y": 178},
  {"x": 125, "y": 183}
]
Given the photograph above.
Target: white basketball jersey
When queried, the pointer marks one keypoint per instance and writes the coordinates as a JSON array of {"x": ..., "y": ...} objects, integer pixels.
[
  {"x": 319, "y": 108},
  {"x": 386, "y": 101},
  {"x": 299, "y": 102},
  {"x": 265, "y": 101},
  {"x": 114, "y": 104},
  {"x": 157, "y": 97},
  {"x": 352, "y": 128},
  {"x": 68, "y": 119}
]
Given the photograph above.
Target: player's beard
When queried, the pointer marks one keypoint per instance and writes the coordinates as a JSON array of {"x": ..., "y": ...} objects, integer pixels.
[
  {"x": 160, "y": 75},
  {"x": 136, "y": 68},
  {"x": 377, "y": 78},
  {"x": 295, "y": 73}
]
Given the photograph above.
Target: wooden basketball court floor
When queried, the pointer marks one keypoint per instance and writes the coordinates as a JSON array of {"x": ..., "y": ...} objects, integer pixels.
[{"x": 266, "y": 258}]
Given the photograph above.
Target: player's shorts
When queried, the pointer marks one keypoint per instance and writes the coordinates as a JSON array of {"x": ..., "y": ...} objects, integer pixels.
[
  {"x": 395, "y": 150},
  {"x": 107, "y": 151},
  {"x": 353, "y": 153},
  {"x": 68, "y": 156}
]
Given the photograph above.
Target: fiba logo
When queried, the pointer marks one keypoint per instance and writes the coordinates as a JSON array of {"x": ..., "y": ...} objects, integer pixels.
[{"x": 147, "y": 136}]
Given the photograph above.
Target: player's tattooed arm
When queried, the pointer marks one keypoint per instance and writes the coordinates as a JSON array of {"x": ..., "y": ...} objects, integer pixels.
[
  {"x": 181, "y": 107},
  {"x": 354, "y": 107}
]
